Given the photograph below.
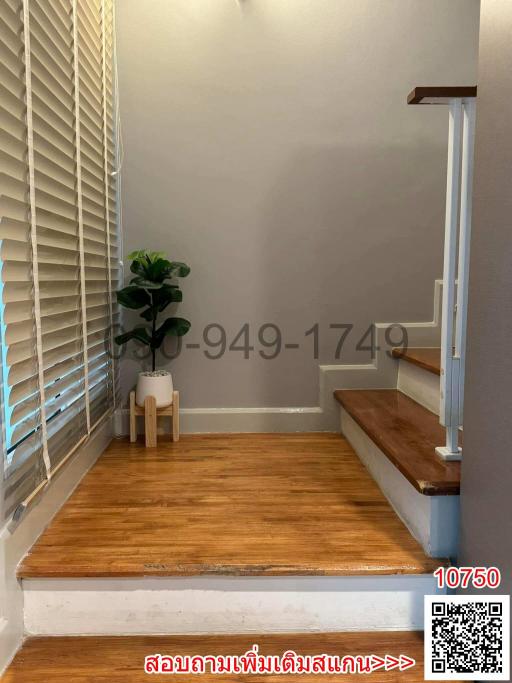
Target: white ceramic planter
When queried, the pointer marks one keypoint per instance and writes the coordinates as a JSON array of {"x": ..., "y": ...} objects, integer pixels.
[{"x": 157, "y": 384}]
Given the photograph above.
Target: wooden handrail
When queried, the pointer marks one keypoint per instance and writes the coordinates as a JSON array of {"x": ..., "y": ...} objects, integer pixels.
[{"x": 440, "y": 94}]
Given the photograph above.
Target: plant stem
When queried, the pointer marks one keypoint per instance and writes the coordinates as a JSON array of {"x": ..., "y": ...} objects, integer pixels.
[{"x": 153, "y": 330}]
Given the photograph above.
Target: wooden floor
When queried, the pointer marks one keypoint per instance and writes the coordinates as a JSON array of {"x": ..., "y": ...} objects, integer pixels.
[
  {"x": 121, "y": 659},
  {"x": 258, "y": 504}
]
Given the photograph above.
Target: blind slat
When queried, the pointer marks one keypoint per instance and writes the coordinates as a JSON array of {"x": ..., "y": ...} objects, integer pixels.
[{"x": 56, "y": 225}]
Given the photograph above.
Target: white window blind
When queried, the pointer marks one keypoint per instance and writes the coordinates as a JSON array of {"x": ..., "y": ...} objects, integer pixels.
[{"x": 58, "y": 232}]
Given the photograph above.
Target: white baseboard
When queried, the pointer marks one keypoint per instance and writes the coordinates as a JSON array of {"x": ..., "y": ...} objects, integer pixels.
[
  {"x": 186, "y": 605},
  {"x": 15, "y": 545},
  {"x": 236, "y": 420},
  {"x": 432, "y": 520}
]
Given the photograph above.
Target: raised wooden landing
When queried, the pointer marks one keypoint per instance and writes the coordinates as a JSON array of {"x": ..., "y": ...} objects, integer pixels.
[
  {"x": 252, "y": 504},
  {"x": 428, "y": 359},
  {"x": 121, "y": 659},
  {"x": 407, "y": 433}
]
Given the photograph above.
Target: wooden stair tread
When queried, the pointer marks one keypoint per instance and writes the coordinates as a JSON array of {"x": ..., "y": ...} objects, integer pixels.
[
  {"x": 120, "y": 659},
  {"x": 407, "y": 433},
  {"x": 428, "y": 359}
]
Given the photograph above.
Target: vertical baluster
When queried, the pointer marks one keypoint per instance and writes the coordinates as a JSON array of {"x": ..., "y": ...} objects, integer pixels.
[
  {"x": 468, "y": 140},
  {"x": 449, "y": 365}
]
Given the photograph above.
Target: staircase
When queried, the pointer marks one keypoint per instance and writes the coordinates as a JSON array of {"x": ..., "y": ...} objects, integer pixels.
[
  {"x": 394, "y": 420},
  {"x": 395, "y": 433}
]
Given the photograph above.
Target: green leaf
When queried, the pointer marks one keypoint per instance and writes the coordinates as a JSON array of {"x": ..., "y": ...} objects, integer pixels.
[
  {"x": 149, "y": 314},
  {"x": 157, "y": 270},
  {"x": 146, "y": 284},
  {"x": 179, "y": 269},
  {"x": 167, "y": 294},
  {"x": 176, "y": 327},
  {"x": 139, "y": 268},
  {"x": 155, "y": 267},
  {"x": 161, "y": 298},
  {"x": 154, "y": 255},
  {"x": 133, "y": 297},
  {"x": 138, "y": 333},
  {"x": 136, "y": 255}
]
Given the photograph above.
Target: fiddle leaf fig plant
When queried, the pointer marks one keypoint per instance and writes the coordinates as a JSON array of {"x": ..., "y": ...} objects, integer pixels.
[{"x": 151, "y": 290}]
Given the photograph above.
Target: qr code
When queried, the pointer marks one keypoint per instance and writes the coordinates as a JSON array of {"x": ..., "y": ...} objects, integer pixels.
[{"x": 467, "y": 637}]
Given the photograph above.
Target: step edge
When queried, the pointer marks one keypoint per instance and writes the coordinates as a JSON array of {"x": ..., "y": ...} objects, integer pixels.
[
  {"x": 368, "y": 572},
  {"x": 403, "y": 354},
  {"x": 425, "y": 487}
]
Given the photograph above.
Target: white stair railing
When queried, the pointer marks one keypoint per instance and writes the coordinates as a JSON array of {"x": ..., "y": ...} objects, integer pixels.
[{"x": 461, "y": 131}]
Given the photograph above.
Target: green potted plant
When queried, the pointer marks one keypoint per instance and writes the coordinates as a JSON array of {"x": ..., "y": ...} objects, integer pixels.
[{"x": 151, "y": 290}]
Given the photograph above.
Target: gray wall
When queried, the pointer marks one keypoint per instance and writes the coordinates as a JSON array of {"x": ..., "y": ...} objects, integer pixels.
[
  {"x": 486, "y": 532},
  {"x": 267, "y": 143}
]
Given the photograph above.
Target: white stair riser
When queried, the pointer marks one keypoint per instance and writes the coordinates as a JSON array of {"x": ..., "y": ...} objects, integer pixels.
[
  {"x": 420, "y": 385},
  {"x": 224, "y": 604},
  {"x": 432, "y": 520}
]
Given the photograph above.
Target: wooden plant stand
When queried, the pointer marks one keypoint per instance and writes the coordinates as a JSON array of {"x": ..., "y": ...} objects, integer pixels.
[{"x": 151, "y": 412}]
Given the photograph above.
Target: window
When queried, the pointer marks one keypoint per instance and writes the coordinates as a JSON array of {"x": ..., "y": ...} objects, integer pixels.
[{"x": 58, "y": 232}]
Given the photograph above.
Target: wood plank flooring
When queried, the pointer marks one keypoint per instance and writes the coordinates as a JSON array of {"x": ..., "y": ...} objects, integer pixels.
[
  {"x": 237, "y": 504},
  {"x": 407, "y": 433},
  {"x": 121, "y": 659}
]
